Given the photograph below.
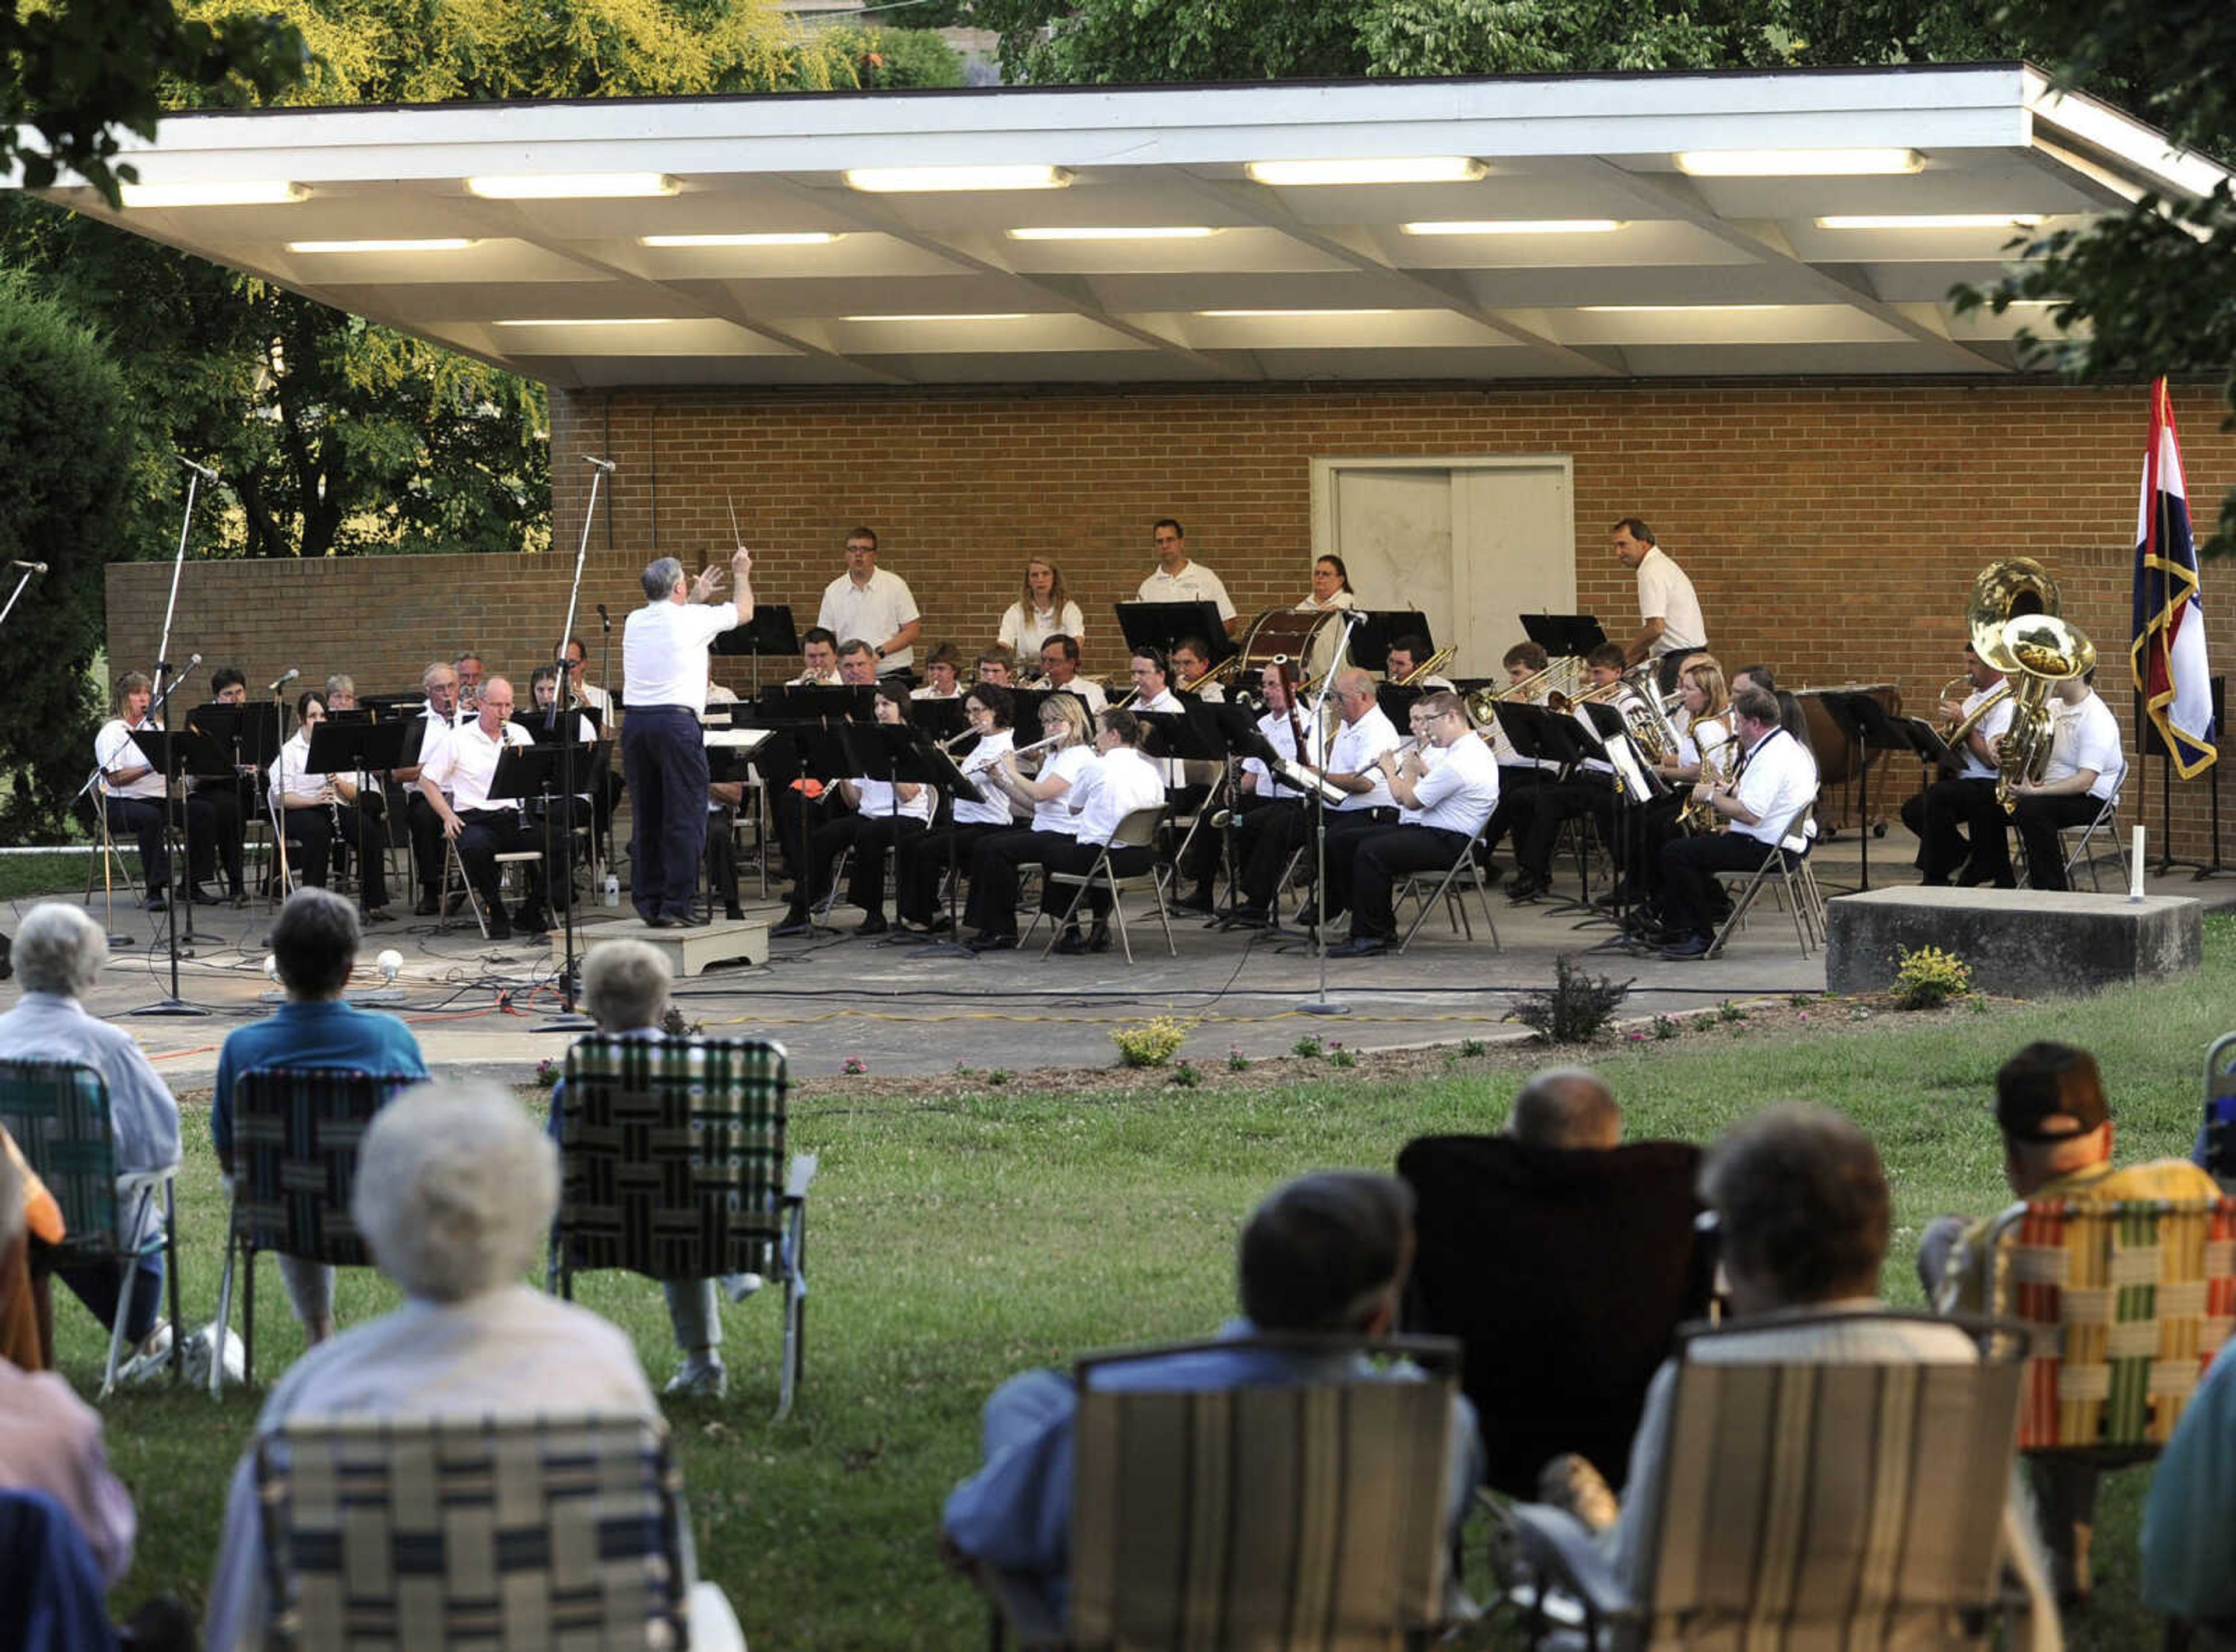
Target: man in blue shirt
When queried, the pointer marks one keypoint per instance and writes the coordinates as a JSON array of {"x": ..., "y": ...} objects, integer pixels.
[
  {"x": 315, "y": 943},
  {"x": 1326, "y": 1254}
]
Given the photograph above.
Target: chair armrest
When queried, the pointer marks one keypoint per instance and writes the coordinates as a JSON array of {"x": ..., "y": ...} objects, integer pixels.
[
  {"x": 1557, "y": 1541},
  {"x": 798, "y": 1171}
]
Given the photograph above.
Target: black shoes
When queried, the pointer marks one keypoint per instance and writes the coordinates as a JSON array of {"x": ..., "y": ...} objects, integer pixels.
[
  {"x": 1075, "y": 945},
  {"x": 1247, "y": 917},
  {"x": 424, "y": 907},
  {"x": 793, "y": 929},
  {"x": 873, "y": 924},
  {"x": 1360, "y": 946},
  {"x": 1687, "y": 948},
  {"x": 1526, "y": 887},
  {"x": 988, "y": 941},
  {"x": 531, "y": 920}
]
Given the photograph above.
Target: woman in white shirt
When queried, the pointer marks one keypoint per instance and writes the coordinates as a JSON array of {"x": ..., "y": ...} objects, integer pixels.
[
  {"x": 978, "y": 813},
  {"x": 1044, "y": 611},
  {"x": 132, "y": 796},
  {"x": 322, "y": 810},
  {"x": 992, "y": 914},
  {"x": 886, "y": 814},
  {"x": 1331, "y": 587}
]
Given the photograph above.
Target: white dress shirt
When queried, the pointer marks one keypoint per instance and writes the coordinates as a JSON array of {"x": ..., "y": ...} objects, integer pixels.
[
  {"x": 2087, "y": 736},
  {"x": 1193, "y": 583},
  {"x": 1114, "y": 785},
  {"x": 987, "y": 805},
  {"x": 1282, "y": 736},
  {"x": 467, "y": 764},
  {"x": 1666, "y": 594},
  {"x": 1357, "y": 750},
  {"x": 874, "y": 800},
  {"x": 1054, "y": 813},
  {"x": 927, "y": 692},
  {"x": 1990, "y": 728},
  {"x": 872, "y": 612},
  {"x": 112, "y": 748},
  {"x": 1780, "y": 776},
  {"x": 1024, "y": 628},
  {"x": 1459, "y": 791},
  {"x": 1166, "y": 700},
  {"x": 1340, "y": 599},
  {"x": 1087, "y": 689},
  {"x": 664, "y": 652}
]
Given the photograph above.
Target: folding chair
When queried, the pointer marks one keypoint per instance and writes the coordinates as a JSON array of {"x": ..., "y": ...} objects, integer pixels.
[
  {"x": 1464, "y": 873},
  {"x": 454, "y": 861},
  {"x": 2106, "y": 825},
  {"x": 58, "y": 1112},
  {"x": 1271, "y": 1517},
  {"x": 565, "y": 1530},
  {"x": 1796, "y": 879},
  {"x": 1137, "y": 830},
  {"x": 1804, "y": 1504},
  {"x": 296, "y": 1131},
  {"x": 673, "y": 1165}
]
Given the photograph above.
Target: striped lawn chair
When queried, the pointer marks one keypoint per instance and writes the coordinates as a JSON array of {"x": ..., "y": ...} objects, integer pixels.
[
  {"x": 2141, "y": 1292},
  {"x": 1859, "y": 1505},
  {"x": 1297, "y": 1515},
  {"x": 561, "y": 1532},
  {"x": 296, "y": 1132},
  {"x": 58, "y": 1112},
  {"x": 673, "y": 1165}
]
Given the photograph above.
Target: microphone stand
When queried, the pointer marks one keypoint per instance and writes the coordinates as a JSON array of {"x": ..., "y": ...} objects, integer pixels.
[
  {"x": 561, "y": 720},
  {"x": 182, "y": 890},
  {"x": 29, "y": 572},
  {"x": 1319, "y": 1003}
]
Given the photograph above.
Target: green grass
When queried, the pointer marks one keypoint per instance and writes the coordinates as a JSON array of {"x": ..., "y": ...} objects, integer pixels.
[
  {"x": 951, "y": 1243},
  {"x": 22, "y": 876}
]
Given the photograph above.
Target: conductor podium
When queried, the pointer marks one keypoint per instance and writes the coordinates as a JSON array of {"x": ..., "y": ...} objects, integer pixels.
[{"x": 688, "y": 949}]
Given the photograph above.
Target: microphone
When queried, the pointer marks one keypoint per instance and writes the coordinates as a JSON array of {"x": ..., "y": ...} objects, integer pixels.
[
  {"x": 607, "y": 465},
  {"x": 201, "y": 470},
  {"x": 34, "y": 568},
  {"x": 288, "y": 677},
  {"x": 605, "y": 619},
  {"x": 191, "y": 663}
]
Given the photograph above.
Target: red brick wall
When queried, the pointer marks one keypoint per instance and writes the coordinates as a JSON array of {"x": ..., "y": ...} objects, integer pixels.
[{"x": 1833, "y": 529}]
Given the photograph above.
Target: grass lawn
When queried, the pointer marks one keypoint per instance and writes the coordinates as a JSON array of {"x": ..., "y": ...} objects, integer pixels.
[
  {"x": 953, "y": 1242},
  {"x": 22, "y": 876}
]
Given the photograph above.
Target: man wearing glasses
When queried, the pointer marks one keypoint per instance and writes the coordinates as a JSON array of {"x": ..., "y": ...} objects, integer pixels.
[
  {"x": 1179, "y": 580},
  {"x": 1363, "y": 736}
]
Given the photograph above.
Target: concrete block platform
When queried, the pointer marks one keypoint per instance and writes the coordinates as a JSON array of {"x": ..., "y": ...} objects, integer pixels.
[
  {"x": 2021, "y": 943},
  {"x": 689, "y": 950}
]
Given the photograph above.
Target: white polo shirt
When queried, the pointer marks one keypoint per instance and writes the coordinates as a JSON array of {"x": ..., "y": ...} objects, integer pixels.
[
  {"x": 986, "y": 804},
  {"x": 1054, "y": 813},
  {"x": 1358, "y": 749},
  {"x": 112, "y": 748},
  {"x": 467, "y": 763},
  {"x": 1992, "y": 727},
  {"x": 1087, "y": 689},
  {"x": 664, "y": 652},
  {"x": 1281, "y": 736},
  {"x": 872, "y": 612},
  {"x": 1166, "y": 700},
  {"x": 1193, "y": 583},
  {"x": 1116, "y": 784},
  {"x": 1459, "y": 791},
  {"x": 2087, "y": 736},
  {"x": 1666, "y": 594},
  {"x": 1025, "y": 628}
]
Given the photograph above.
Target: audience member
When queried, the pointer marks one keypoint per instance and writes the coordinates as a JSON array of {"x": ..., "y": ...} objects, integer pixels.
[
  {"x": 315, "y": 943},
  {"x": 1326, "y": 1254},
  {"x": 1566, "y": 1106},
  {"x": 2189, "y": 1514}
]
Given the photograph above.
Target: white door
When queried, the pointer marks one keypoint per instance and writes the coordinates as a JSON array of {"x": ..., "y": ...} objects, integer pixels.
[{"x": 1472, "y": 543}]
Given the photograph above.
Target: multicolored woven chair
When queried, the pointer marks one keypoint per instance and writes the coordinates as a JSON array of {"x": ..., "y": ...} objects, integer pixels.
[
  {"x": 673, "y": 1165},
  {"x": 296, "y": 1131},
  {"x": 563, "y": 1531},
  {"x": 58, "y": 1112},
  {"x": 2143, "y": 1292}
]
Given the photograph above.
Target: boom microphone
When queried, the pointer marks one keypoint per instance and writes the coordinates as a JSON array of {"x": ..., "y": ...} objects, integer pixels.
[
  {"x": 607, "y": 465},
  {"x": 291, "y": 673},
  {"x": 201, "y": 470},
  {"x": 36, "y": 568}
]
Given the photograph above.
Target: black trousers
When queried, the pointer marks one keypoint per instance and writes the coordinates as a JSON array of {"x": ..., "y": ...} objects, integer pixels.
[
  {"x": 1959, "y": 823},
  {"x": 229, "y": 802},
  {"x": 995, "y": 877},
  {"x": 2039, "y": 819},
  {"x": 921, "y": 862},
  {"x": 664, "y": 752},
  {"x": 1073, "y": 856},
  {"x": 1687, "y": 866},
  {"x": 1265, "y": 837},
  {"x": 142, "y": 818},
  {"x": 1553, "y": 803},
  {"x": 489, "y": 833},
  {"x": 1382, "y": 856},
  {"x": 1517, "y": 798},
  {"x": 1347, "y": 829}
]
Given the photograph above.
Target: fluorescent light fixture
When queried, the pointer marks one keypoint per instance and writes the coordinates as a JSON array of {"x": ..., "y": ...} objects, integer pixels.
[
  {"x": 1932, "y": 221},
  {"x": 573, "y": 185},
  {"x": 1234, "y": 315},
  {"x": 1516, "y": 227},
  {"x": 1679, "y": 309},
  {"x": 891, "y": 181},
  {"x": 249, "y": 192},
  {"x": 444, "y": 244},
  {"x": 1797, "y": 163},
  {"x": 1113, "y": 233},
  {"x": 1415, "y": 168},
  {"x": 777, "y": 237},
  {"x": 1003, "y": 315},
  {"x": 591, "y": 321}
]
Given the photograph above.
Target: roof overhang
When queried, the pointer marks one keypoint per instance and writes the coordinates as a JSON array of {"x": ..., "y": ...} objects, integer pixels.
[{"x": 1633, "y": 266}]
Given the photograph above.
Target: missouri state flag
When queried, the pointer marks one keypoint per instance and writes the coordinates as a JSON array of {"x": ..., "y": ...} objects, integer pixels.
[{"x": 2168, "y": 646}]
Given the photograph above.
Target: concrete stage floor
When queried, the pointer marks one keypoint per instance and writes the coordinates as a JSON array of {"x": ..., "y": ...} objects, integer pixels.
[{"x": 900, "y": 1008}]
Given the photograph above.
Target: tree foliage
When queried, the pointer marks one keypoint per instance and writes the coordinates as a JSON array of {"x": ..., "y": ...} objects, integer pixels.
[{"x": 64, "y": 429}]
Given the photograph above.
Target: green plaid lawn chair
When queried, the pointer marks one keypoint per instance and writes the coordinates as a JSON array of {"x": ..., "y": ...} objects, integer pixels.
[
  {"x": 296, "y": 1131},
  {"x": 556, "y": 1532},
  {"x": 58, "y": 1112},
  {"x": 673, "y": 1165}
]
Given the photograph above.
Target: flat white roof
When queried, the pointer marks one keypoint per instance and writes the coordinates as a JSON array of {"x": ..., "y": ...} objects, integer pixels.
[{"x": 1590, "y": 241}]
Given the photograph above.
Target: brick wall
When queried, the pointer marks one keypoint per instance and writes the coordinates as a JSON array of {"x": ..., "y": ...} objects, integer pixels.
[{"x": 1833, "y": 529}]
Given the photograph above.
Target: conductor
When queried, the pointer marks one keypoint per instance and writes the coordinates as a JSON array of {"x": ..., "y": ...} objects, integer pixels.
[{"x": 663, "y": 750}]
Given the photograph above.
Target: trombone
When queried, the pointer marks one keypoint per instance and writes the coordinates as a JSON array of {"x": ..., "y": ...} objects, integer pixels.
[{"x": 1428, "y": 668}]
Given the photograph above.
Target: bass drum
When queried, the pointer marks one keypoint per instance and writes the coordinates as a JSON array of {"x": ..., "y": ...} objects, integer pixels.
[{"x": 1306, "y": 638}]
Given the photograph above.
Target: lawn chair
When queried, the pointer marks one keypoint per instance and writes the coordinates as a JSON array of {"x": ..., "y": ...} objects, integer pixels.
[
  {"x": 673, "y": 1165},
  {"x": 296, "y": 1132},
  {"x": 1564, "y": 1274},
  {"x": 431, "y": 1533},
  {"x": 58, "y": 1112},
  {"x": 1137, "y": 830},
  {"x": 1268, "y": 1517},
  {"x": 1806, "y": 1504}
]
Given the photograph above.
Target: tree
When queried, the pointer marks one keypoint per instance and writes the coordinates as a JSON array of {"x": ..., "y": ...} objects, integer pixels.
[{"x": 66, "y": 431}]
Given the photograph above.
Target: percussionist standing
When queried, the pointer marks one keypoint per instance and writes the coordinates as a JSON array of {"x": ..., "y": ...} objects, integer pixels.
[{"x": 663, "y": 747}]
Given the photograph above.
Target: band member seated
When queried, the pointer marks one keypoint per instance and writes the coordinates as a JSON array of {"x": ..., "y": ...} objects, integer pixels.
[
  {"x": 326, "y": 815},
  {"x": 439, "y": 682},
  {"x": 819, "y": 652},
  {"x": 1517, "y": 775},
  {"x": 1119, "y": 783},
  {"x": 1773, "y": 777},
  {"x": 1267, "y": 813},
  {"x": 1060, "y": 667},
  {"x": 468, "y": 668},
  {"x": 484, "y": 826},
  {"x": 1960, "y": 827},
  {"x": 2084, "y": 773},
  {"x": 1588, "y": 788},
  {"x": 132, "y": 795},
  {"x": 885, "y": 814},
  {"x": 1789, "y": 707},
  {"x": 1408, "y": 653},
  {"x": 232, "y": 798},
  {"x": 992, "y": 912},
  {"x": 1190, "y": 664},
  {"x": 1151, "y": 682},
  {"x": 1442, "y": 804},
  {"x": 942, "y": 675},
  {"x": 857, "y": 663},
  {"x": 561, "y": 816},
  {"x": 921, "y": 862},
  {"x": 1703, "y": 759},
  {"x": 998, "y": 666},
  {"x": 1363, "y": 737}
]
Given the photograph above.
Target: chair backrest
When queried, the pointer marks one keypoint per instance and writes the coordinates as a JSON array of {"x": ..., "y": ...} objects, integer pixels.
[
  {"x": 58, "y": 1112},
  {"x": 422, "y": 1532},
  {"x": 2143, "y": 1292},
  {"x": 1565, "y": 1274},
  {"x": 1306, "y": 1515},
  {"x": 672, "y": 1155},
  {"x": 1834, "y": 1503},
  {"x": 296, "y": 1132},
  {"x": 2220, "y": 1108},
  {"x": 1139, "y": 829}
]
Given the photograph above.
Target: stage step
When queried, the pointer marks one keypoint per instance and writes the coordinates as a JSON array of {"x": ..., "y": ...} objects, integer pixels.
[
  {"x": 689, "y": 951},
  {"x": 2020, "y": 942}
]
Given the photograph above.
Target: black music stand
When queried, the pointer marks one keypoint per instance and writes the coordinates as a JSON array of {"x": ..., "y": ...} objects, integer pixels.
[
  {"x": 899, "y": 754},
  {"x": 1028, "y": 703},
  {"x": 250, "y": 735},
  {"x": 1160, "y": 625},
  {"x": 1397, "y": 703},
  {"x": 769, "y": 631},
  {"x": 812, "y": 702},
  {"x": 1564, "y": 637},
  {"x": 174, "y": 756},
  {"x": 1865, "y": 722},
  {"x": 805, "y": 751},
  {"x": 541, "y": 772},
  {"x": 942, "y": 719},
  {"x": 1377, "y": 629},
  {"x": 357, "y": 747},
  {"x": 1636, "y": 785},
  {"x": 1545, "y": 736}
]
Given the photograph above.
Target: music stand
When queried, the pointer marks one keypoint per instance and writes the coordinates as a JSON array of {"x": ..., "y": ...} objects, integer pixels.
[
  {"x": 1865, "y": 722},
  {"x": 362, "y": 748},
  {"x": 1378, "y": 628},
  {"x": 1160, "y": 625},
  {"x": 525, "y": 772},
  {"x": 806, "y": 750},
  {"x": 942, "y": 719},
  {"x": 1636, "y": 787},
  {"x": 1028, "y": 702},
  {"x": 1564, "y": 635},
  {"x": 810, "y": 703},
  {"x": 769, "y": 631}
]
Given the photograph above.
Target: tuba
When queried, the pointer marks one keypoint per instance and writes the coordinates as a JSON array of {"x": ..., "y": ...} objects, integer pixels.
[
  {"x": 2045, "y": 651},
  {"x": 2010, "y": 588},
  {"x": 1644, "y": 717}
]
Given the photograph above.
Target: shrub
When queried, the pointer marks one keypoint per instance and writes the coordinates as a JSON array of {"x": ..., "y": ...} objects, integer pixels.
[
  {"x": 1185, "y": 1076},
  {"x": 886, "y": 60},
  {"x": 1576, "y": 1009},
  {"x": 1729, "y": 1012},
  {"x": 1149, "y": 1043},
  {"x": 997, "y": 1076},
  {"x": 1665, "y": 1027},
  {"x": 1470, "y": 1048},
  {"x": 1308, "y": 1047},
  {"x": 1236, "y": 1060},
  {"x": 548, "y": 1072},
  {"x": 675, "y": 1026},
  {"x": 1343, "y": 1058},
  {"x": 1929, "y": 978}
]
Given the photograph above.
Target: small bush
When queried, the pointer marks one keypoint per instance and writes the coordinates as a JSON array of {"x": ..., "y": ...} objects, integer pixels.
[
  {"x": 1185, "y": 1076},
  {"x": 1236, "y": 1060},
  {"x": 1149, "y": 1043},
  {"x": 1929, "y": 978},
  {"x": 1470, "y": 1048},
  {"x": 1343, "y": 1058},
  {"x": 853, "y": 1066},
  {"x": 997, "y": 1076},
  {"x": 1308, "y": 1047},
  {"x": 1730, "y": 1013},
  {"x": 1665, "y": 1027},
  {"x": 1575, "y": 1010},
  {"x": 548, "y": 1072},
  {"x": 674, "y": 1025}
]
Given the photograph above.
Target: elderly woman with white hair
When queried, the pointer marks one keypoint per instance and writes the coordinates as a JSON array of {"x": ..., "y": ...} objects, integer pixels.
[
  {"x": 455, "y": 1188},
  {"x": 625, "y": 988},
  {"x": 58, "y": 954}
]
